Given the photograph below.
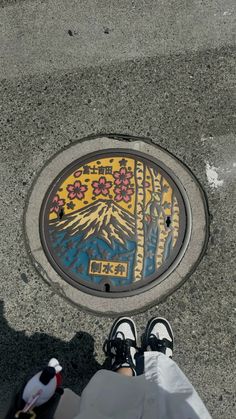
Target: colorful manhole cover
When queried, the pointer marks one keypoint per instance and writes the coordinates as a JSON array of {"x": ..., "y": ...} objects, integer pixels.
[{"x": 113, "y": 222}]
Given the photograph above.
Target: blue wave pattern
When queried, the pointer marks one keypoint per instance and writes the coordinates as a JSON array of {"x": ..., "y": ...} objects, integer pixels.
[{"x": 74, "y": 254}]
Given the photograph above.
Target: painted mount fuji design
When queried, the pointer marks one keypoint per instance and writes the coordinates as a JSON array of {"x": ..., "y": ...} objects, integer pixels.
[{"x": 103, "y": 219}]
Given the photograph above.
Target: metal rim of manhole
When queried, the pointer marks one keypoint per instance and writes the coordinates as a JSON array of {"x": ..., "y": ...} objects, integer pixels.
[{"x": 121, "y": 223}]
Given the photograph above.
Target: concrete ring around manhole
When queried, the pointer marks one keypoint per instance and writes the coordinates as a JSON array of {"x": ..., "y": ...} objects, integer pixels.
[{"x": 115, "y": 223}]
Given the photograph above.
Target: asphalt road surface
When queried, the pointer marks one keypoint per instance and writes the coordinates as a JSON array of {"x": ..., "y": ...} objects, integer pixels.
[{"x": 159, "y": 69}]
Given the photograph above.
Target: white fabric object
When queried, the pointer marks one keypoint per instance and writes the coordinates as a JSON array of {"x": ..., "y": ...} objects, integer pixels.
[
  {"x": 55, "y": 364},
  {"x": 34, "y": 385},
  {"x": 163, "y": 392},
  {"x": 68, "y": 406}
]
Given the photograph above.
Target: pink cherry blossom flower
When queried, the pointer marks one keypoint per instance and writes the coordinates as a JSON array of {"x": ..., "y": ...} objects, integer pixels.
[
  {"x": 78, "y": 173},
  {"x": 123, "y": 193},
  {"x": 101, "y": 186},
  {"x": 122, "y": 177},
  {"x": 57, "y": 203},
  {"x": 77, "y": 190}
]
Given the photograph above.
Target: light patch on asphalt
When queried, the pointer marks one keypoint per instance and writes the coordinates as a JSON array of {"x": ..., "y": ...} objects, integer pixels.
[
  {"x": 213, "y": 176},
  {"x": 228, "y": 12},
  {"x": 205, "y": 139}
]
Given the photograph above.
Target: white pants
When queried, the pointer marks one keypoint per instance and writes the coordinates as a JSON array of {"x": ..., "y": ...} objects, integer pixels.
[{"x": 162, "y": 392}]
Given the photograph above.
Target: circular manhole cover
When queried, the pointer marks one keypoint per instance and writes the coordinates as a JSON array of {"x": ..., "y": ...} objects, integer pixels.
[{"x": 114, "y": 224}]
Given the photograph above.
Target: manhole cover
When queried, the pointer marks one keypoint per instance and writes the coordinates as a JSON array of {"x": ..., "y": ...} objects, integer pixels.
[{"x": 114, "y": 223}]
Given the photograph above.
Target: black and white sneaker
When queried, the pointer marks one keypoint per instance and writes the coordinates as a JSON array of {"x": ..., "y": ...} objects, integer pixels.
[
  {"x": 121, "y": 345},
  {"x": 159, "y": 336}
]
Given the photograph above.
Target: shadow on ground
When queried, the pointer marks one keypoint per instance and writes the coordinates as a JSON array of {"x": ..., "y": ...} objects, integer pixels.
[
  {"x": 22, "y": 356},
  {"x": 27, "y": 355}
]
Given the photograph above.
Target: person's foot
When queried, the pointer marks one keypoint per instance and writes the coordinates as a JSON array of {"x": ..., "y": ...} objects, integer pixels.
[
  {"x": 121, "y": 345},
  {"x": 159, "y": 336}
]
